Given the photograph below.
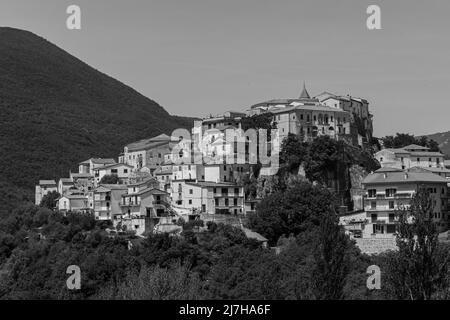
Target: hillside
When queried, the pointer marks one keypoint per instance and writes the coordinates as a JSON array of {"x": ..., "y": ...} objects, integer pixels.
[
  {"x": 443, "y": 139},
  {"x": 57, "y": 111}
]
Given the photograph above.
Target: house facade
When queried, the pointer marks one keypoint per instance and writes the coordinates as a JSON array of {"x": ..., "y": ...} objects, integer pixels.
[
  {"x": 409, "y": 157},
  {"x": 44, "y": 187},
  {"x": 387, "y": 191}
]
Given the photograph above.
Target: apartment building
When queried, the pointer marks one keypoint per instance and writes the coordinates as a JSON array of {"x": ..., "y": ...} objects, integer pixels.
[
  {"x": 107, "y": 199},
  {"x": 390, "y": 189},
  {"x": 145, "y": 199},
  {"x": 208, "y": 197}
]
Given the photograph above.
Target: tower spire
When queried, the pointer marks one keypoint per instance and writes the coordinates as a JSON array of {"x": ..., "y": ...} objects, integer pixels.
[{"x": 304, "y": 94}]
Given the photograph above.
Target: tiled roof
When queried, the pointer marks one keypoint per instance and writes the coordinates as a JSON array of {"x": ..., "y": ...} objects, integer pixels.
[
  {"x": 402, "y": 177},
  {"x": 213, "y": 184},
  {"x": 113, "y": 166},
  {"x": 254, "y": 235},
  {"x": 99, "y": 161},
  {"x": 47, "y": 182},
  {"x": 66, "y": 180},
  {"x": 115, "y": 186},
  {"x": 151, "y": 143},
  {"x": 388, "y": 169},
  {"x": 146, "y": 190},
  {"x": 426, "y": 154},
  {"x": 415, "y": 147}
]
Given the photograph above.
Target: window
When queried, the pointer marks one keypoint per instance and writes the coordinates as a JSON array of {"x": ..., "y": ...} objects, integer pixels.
[
  {"x": 372, "y": 193},
  {"x": 301, "y": 116},
  {"x": 391, "y": 217},
  {"x": 224, "y": 191},
  {"x": 191, "y": 191},
  {"x": 216, "y": 201},
  {"x": 125, "y": 170},
  {"x": 215, "y": 190},
  {"x": 418, "y": 159},
  {"x": 225, "y": 168},
  {"x": 374, "y": 217},
  {"x": 114, "y": 171},
  {"x": 373, "y": 205},
  {"x": 391, "y": 204},
  {"x": 226, "y": 202},
  {"x": 235, "y": 202},
  {"x": 190, "y": 201},
  {"x": 390, "y": 193},
  {"x": 236, "y": 190}
]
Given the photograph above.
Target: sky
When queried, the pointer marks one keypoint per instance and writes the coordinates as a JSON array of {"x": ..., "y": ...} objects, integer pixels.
[{"x": 201, "y": 57}]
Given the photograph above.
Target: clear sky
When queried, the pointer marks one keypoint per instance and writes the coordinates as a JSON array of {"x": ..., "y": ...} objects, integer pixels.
[{"x": 200, "y": 57}]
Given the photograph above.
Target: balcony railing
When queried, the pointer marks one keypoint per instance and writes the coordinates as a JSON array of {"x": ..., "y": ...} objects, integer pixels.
[{"x": 130, "y": 204}]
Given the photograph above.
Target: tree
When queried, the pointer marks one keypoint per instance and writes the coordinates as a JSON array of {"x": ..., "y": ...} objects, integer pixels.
[
  {"x": 293, "y": 152},
  {"x": 110, "y": 179},
  {"x": 401, "y": 140},
  {"x": 291, "y": 211},
  {"x": 332, "y": 260},
  {"x": 49, "y": 200},
  {"x": 418, "y": 270}
]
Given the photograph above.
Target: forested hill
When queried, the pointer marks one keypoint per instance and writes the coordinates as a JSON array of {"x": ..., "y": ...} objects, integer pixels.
[
  {"x": 56, "y": 111},
  {"x": 443, "y": 139}
]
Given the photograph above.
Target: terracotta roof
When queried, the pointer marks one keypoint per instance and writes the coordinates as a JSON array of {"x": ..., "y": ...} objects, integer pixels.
[{"x": 402, "y": 177}]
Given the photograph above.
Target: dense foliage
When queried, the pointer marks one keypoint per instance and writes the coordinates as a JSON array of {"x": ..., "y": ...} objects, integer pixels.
[{"x": 401, "y": 140}]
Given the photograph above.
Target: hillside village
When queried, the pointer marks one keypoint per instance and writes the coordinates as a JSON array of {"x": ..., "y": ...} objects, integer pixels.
[{"x": 154, "y": 184}]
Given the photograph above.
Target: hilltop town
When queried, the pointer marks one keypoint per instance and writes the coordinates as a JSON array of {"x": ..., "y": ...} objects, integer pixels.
[{"x": 155, "y": 183}]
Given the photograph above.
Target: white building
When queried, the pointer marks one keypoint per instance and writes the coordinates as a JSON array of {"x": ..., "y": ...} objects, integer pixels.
[
  {"x": 121, "y": 170},
  {"x": 389, "y": 190},
  {"x": 409, "y": 157}
]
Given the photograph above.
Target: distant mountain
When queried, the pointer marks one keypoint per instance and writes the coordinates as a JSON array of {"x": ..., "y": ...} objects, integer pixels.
[
  {"x": 56, "y": 111},
  {"x": 443, "y": 139}
]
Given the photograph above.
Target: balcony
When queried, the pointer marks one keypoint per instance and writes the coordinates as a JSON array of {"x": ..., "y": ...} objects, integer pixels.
[{"x": 130, "y": 204}]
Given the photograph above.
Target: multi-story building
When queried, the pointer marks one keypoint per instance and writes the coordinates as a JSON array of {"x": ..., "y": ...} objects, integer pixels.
[
  {"x": 147, "y": 153},
  {"x": 409, "y": 157},
  {"x": 208, "y": 197},
  {"x": 121, "y": 170},
  {"x": 107, "y": 199},
  {"x": 44, "y": 187},
  {"x": 73, "y": 202},
  {"x": 64, "y": 185},
  {"x": 89, "y": 165},
  {"x": 388, "y": 190},
  {"x": 144, "y": 199},
  {"x": 356, "y": 107},
  {"x": 307, "y": 117}
]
